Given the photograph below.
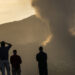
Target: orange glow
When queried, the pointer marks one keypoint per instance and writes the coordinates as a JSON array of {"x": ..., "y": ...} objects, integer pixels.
[{"x": 48, "y": 39}]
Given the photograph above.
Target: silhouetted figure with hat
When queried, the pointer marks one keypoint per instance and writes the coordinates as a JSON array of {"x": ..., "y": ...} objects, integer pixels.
[
  {"x": 41, "y": 57},
  {"x": 15, "y": 63},
  {"x": 4, "y": 54}
]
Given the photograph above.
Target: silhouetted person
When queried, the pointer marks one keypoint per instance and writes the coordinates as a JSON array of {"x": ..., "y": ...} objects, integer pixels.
[
  {"x": 41, "y": 57},
  {"x": 15, "y": 62},
  {"x": 4, "y": 51}
]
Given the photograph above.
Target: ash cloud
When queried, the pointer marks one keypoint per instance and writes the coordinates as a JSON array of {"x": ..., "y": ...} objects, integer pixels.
[
  {"x": 56, "y": 11},
  {"x": 60, "y": 15}
]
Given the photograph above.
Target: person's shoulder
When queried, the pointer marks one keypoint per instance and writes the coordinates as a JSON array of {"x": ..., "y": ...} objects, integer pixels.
[
  {"x": 18, "y": 56},
  {"x": 11, "y": 56},
  {"x": 37, "y": 54},
  {"x": 44, "y": 53}
]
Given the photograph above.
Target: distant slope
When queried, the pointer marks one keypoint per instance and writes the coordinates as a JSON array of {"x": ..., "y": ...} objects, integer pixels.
[{"x": 25, "y": 31}]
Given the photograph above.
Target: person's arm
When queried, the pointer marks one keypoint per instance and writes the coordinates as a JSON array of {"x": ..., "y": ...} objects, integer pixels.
[
  {"x": 37, "y": 57},
  {"x": 20, "y": 60},
  {"x": 46, "y": 57},
  {"x": 11, "y": 60},
  {"x": 0, "y": 44},
  {"x": 9, "y": 45}
]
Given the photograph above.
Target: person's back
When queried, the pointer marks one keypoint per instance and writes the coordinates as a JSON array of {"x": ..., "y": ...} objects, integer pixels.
[
  {"x": 15, "y": 61},
  {"x": 4, "y": 53},
  {"x": 41, "y": 57}
]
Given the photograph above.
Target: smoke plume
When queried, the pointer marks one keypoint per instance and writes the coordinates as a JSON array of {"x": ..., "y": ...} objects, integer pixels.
[
  {"x": 60, "y": 15},
  {"x": 56, "y": 11}
]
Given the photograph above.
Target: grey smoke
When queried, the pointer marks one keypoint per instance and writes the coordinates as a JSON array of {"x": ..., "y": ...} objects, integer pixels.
[
  {"x": 60, "y": 14},
  {"x": 56, "y": 10}
]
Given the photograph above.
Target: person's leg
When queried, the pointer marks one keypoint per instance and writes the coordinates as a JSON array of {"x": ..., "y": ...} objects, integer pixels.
[
  {"x": 41, "y": 71},
  {"x": 45, "y": 70},
  {"x": 13, "y": 71},
  {"x": 7, "y": 67},
  {"x": 19, "y": 71},
  {"x": 2, "y": 68},
  {"x": 0, "y": 65},
  {"x": 3, "y": 71}
]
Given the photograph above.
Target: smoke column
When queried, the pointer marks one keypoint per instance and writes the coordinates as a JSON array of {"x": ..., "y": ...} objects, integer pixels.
[{"x": 60, "y": 15}]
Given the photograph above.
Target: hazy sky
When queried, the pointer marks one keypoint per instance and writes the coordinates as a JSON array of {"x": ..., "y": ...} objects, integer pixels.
[{"x": 11, "y": 10}]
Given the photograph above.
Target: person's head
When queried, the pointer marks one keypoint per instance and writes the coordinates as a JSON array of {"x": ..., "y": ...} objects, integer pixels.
[
  {"x": 14, "y": 52},
  {"x": 2, "y": 44},
  {"x": 41, "y": 49}
]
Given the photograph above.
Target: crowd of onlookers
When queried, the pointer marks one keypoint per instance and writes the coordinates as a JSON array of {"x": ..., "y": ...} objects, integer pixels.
[{"x": 15, "y": 60}]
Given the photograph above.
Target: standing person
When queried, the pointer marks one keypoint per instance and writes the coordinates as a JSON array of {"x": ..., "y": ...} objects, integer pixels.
[
  {"x": 4, "y": 53},
  {"x": 41, "y": 58},
  {"x": 15, "y": 63}
]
